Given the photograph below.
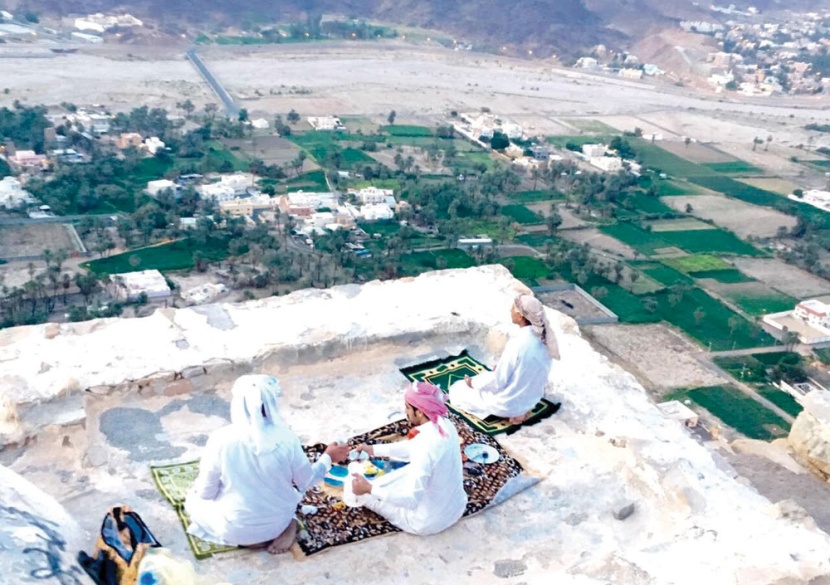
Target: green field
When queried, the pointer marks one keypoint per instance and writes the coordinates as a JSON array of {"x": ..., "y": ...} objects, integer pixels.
[
  {"x": 781, "y": 399},
  {"x": 711, "y": 328},
  {"x": 731, "y": 276},
  {"x": 763, "y": 303},
  {"x": 732, "y": 188},
  {"x": 526, "y": 268},
  {"x": 647, "y": 204},
  {"x": 641, "y": 240},
  {"x": 711, "y": 241},
  {"x": 536, "y": 240},
  {"x": 413, "y": 131},
  {"x": 655, "y": 157},
  {"x": 561, "y": 141},
  {"x": 697, "y": 263},
  {"x": 535, "y": 196},
  {"x": 521, "y": 214},
  {"x": 176, "y": 255},
  {"x": 314, "y": 181},
  {"x": 737, "y": 167},
  {"x": 744, "y": 368},
  {"x": 671, "y": 188},
  {"x": 693, "y": 241},
  {"x": 663, "y": 274},
  {"x": 738, "y": 411},
  {"x": 354, "y": 156},
  {"x": 417, "y": 262}
]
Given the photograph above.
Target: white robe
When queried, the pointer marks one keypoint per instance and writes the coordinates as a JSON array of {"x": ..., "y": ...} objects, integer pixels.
[
  {"x": 245, "y": 498},
  {"x": 426, "y": 496},
  {"x": 516, "y": 385}
]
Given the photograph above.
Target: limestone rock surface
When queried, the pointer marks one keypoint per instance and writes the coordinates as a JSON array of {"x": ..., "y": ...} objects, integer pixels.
[
  {"x": 38, "y": 538},
  {"x": 151, "y": 390},
  {"x": 809, "y": 437}
]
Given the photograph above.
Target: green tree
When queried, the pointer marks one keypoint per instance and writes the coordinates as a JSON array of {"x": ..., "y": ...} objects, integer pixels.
[
  {"x": 391, "y": 117},
  {"x": 499, "y": 141},
  {"x": 293, "y": 117}
]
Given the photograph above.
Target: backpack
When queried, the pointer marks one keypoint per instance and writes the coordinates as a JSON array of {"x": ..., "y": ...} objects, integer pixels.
[{"x": 121, "y": 544}]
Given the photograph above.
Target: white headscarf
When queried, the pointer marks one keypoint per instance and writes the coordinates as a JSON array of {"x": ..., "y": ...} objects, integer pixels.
[
  {"x": 533, "y": 311},
  {"x": 254, "y": 410}
]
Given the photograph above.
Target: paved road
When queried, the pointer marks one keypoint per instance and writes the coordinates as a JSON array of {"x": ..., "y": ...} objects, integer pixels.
[{"x": 230, "y": 106}]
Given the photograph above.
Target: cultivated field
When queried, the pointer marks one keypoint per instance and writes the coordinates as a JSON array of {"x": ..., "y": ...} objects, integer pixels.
[
  {"x": 695, "y": 152},
  {"x": 269, "y": 149},
  {"x": 742, "y": 218},
  {"x": 25, "y": 241},
  {"x": 675, "y": 225},
  {"x": 657, "y": 354},
  {"x": 774, "y": 184},
  {"x": 781, "y": 276},
  {"x": 754, "y": 298},
  {"x": 600, "y": 241}
]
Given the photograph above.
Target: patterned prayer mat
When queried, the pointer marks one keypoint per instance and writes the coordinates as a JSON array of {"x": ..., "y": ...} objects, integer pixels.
[
  {"x": 173, "y": 481},
  {"x": 334, "y": 524},
  {"x": 444, "y": 372}
]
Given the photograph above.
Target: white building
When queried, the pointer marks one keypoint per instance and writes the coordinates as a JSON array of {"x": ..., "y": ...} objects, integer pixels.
[
  {"x": 609, "y": 164},
  {"x": 302, "y": 203},
  {"x": 813, "y": 312},
  {"x": 153, "y": 145},
  {"x": 228, "y": 187},
  {"x": 205, "y": 293},
  {"x": 594, "y": 150},
  {"x": 260, "y": 124},
  {"x": 156, "y": 187},
  {"x": 374, "y": 212},
  {"x": 12, "y": 194},
  {"x": 586, "y": 63},
  {"x": 676, "y": 410},
  {"x": 474, "y": 242},
  {"x": 373, "y": 195},
  {"x": 131, "y": 285},
  {"x": 100, "y": 22},
  {"x": 246, "y": 206},
  {"x": 629, "y": 73},
  {"x": 325, "y": 122}
]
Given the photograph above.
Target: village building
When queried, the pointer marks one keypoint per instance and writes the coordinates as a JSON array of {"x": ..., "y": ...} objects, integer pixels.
[{"x": 130, "y": 286}]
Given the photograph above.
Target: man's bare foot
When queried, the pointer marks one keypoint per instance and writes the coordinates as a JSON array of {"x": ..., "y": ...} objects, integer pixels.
[
  {"x": 283, "y": 542},
  {"x": 517, "y": 420}
]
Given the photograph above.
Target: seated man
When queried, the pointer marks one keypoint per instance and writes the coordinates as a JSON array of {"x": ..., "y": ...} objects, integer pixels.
[
  {"x": 427, "y": 495},
  {"x": 518, "y": 381},
  {"x": 253, "y": 473}
]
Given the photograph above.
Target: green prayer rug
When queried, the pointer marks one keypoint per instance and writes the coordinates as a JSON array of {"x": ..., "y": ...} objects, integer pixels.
[
  {"x": 174, "y": 481},
  {"x": 446, "y": 371}
]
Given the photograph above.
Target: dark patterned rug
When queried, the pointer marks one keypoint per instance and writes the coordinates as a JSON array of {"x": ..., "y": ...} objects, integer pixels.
[{"x": 334, "y": 524}]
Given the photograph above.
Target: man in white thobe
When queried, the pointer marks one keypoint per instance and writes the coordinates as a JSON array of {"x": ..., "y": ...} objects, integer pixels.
[
  {"x": 427, "y": 495},
  {"x": 518, "y": 382},
  {"x": 253, "y": 473}
]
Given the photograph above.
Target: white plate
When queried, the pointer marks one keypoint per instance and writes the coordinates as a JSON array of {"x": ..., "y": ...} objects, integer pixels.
[{"x": 481, "y": 453}]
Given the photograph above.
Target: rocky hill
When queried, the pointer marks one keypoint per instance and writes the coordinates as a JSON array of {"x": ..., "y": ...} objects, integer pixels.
[{"x": 546, "y": 26}]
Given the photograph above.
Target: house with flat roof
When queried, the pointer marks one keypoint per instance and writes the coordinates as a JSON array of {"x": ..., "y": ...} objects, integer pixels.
[{"x": 129, "y": 286}]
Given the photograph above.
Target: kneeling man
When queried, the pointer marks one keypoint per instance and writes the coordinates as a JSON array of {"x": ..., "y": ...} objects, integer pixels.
[{"x": 426, "y": 496}]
